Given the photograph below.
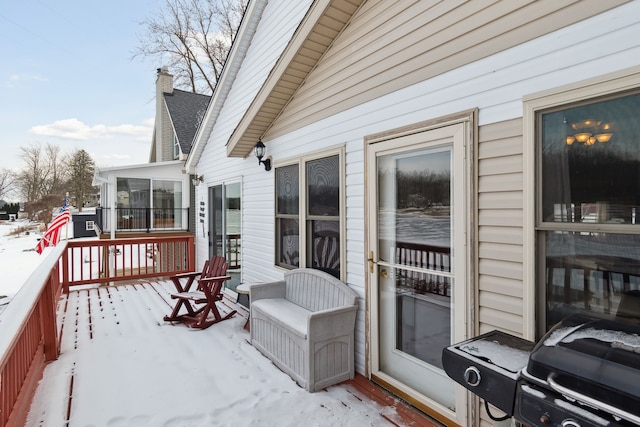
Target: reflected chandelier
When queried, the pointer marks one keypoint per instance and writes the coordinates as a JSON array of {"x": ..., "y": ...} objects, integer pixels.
[{"x": 589, "y": 131}]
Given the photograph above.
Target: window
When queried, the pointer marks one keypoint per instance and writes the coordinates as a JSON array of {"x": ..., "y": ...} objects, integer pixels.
[
  {"x": 149, "y": 203},
  {"x": 588, "y": 209},
  {"x": 167, "y": 200},
  {"x": 90, "y": 226},
  {"x": 308, "y": 222},
  {"x": 176, "y": 147}
]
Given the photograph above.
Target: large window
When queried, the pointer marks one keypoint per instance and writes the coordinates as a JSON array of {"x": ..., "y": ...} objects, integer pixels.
[
  {"x": 308, "y": 214},
  {"x": 149, "y": 204},
  {"x": 588, "y": 209}
]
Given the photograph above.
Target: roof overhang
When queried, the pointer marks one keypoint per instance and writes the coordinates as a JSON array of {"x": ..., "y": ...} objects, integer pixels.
[{"x": 315, "y": 34}]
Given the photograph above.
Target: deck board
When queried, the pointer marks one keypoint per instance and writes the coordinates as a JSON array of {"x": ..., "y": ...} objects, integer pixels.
[{"x": 118, "y": 327}]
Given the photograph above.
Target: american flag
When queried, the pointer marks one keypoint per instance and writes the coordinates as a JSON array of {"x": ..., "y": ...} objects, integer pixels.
[{"x": 51, "y": 237}]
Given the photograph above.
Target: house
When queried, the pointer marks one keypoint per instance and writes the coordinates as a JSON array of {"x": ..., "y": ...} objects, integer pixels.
[
  {"x": 178, "y": 115},
  {"x": 463, "y": 166},
  {"x": 155, "y": 197}
]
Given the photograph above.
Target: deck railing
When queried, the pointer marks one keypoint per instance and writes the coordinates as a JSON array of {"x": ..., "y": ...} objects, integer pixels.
[
  {"x": 424, "y": 257},
  {"x": 30, "y": 333},
  {"x": 144, "y": 219}
]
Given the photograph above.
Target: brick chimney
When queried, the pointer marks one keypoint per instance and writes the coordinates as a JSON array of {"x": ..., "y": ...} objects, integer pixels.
[
  {"x": 164, "y": 81},
  {"x": 163, "y": 133}
]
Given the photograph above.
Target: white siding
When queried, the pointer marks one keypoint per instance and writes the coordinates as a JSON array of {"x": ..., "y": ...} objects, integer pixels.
[
  {"x": 393, "y": 45},
  {"x": 495, "y": 85},
  {"x": 278, "y": 22}
]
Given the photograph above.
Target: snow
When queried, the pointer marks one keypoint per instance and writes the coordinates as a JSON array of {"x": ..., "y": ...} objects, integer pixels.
[
  {"x": 620, "y": 339},
  {"x": 510, "y": 358},
  {"x": 18, "y": 257},
  {"x": 130, "y": 368}
]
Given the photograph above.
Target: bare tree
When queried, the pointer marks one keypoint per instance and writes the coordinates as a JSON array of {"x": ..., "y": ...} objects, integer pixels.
[
  {"x": 7, "y": 179},
  {"x": 81, "y": 167},
  {"x": 43, "y": 171},
  {"x": 31, "y": 177},
  {"x": 194, "y": 36},
  {"x": 55, "y": 172}
]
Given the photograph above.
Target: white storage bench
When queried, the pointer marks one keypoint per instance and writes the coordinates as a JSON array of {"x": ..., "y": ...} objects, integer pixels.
[{"x": 305, "y": 324}]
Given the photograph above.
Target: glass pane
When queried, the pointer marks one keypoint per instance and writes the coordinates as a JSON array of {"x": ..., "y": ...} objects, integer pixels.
[
  {"x": 216, "y": 219},
  {"x": 414, "y": 213},
  {"x": 592, "y": 273},
  {"x": 287, "y": 190},
  {"x": 598, "y": 180},
  {"x": 133, "y": 201},
  {"x": 323, "y": 186},
  {"x": 167, "y": 204},
  {"x": 289, "y": 242},
  {"x": 233, "y": 241},
  {"x": 423, "y": 326},
  {"x": 325, "y": 249},
  {"x": 414, "y": 229},
  {"x": 133, "y": 192}
]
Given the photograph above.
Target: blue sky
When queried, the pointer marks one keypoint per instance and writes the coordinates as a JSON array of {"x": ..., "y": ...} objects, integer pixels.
[{"x": 67, "y": 77}]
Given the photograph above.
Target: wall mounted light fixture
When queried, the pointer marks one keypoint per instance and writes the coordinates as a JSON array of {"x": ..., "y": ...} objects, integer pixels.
[
  {"x": 197, "y": 179},
  {"x": 260, "y": 150}
]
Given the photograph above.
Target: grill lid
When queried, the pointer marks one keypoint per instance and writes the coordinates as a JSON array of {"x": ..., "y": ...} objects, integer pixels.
[{"x": 599, "y": 358}]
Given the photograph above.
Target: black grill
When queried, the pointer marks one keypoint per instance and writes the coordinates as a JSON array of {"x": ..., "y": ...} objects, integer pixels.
[{"x": 583, "y": 372}]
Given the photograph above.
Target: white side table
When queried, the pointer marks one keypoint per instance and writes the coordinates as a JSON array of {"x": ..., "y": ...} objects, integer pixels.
[{"x": 243, "y": 289}]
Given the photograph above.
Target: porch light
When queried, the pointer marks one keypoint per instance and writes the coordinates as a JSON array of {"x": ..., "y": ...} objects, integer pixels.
[
  {"x": 260, "y": 150},
  {"x": 197, "y": 179}
]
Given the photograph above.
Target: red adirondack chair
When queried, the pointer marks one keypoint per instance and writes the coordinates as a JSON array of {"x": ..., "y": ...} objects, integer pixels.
[{"x": 200, "y": 304}]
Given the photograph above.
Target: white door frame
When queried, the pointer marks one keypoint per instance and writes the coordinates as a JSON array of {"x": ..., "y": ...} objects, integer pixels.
[{"x": 460, "y": 130}]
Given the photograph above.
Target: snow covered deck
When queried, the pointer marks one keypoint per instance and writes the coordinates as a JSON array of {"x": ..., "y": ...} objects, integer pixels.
[{"x": 122, "y": 365}]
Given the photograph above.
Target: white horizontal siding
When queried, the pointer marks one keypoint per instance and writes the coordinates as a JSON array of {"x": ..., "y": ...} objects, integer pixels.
[
  {"x": 278, "y": 22},
  {"x": 500, "y": 180},
  {"x": 389, "y": 46},
  {"x": 495, "y": 85}
]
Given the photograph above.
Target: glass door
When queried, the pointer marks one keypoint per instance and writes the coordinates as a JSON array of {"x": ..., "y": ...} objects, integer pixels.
[
  {"x": 418, "y": 260},
  {"x": 225, "y": 220}
]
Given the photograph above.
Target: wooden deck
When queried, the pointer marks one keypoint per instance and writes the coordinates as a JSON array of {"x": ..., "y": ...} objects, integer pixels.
[{"x": 110, "y": 335}]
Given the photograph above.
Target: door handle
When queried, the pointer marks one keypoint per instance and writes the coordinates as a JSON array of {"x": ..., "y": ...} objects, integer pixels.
[{"x": 384, "y": 274}]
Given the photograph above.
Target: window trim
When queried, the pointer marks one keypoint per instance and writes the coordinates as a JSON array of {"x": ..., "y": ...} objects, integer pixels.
[
  {"x": 176, "y": 147},
  {"x": 607, "y": 84},
  {"x": 302, "y": 216}
]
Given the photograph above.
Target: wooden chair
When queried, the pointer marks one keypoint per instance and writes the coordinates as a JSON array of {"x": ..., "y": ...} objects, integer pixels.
[{"x": 210, "y": 283}]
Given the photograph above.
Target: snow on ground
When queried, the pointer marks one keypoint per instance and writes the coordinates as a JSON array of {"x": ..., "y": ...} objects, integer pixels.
[
  {"x": 133, "y": 369},
  {"x": 138, "y": 370},
  {"x": 18, "y": 257}
]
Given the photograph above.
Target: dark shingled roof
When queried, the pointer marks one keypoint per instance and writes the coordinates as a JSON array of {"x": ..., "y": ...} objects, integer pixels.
[{"x": 187, "y": 110}]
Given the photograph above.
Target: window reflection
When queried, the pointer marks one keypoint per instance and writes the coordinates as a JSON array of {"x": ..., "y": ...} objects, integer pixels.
[{"x": 590, "y": 180}]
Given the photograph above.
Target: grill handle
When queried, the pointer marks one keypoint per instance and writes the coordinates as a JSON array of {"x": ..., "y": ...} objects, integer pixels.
[{"x": 617, "y": 412}]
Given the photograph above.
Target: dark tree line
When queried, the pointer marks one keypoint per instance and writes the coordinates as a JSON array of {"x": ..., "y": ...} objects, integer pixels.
[{"x": 422, "y": 189}]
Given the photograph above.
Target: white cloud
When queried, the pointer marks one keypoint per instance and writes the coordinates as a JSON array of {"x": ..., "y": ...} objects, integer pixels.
[
  {"x": 15, "y": 79},
  {"x": 76, "y": 130}
]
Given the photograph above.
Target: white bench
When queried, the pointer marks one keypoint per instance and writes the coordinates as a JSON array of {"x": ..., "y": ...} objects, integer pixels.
[{"x": 305, "y": 324}]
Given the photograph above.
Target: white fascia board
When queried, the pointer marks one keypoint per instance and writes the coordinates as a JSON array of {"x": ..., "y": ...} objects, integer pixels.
[{"x": 231, "y": 67}]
